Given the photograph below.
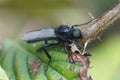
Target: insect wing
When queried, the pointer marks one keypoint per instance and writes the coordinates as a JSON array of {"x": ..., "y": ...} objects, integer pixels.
[{"x": 44, "y": 34}]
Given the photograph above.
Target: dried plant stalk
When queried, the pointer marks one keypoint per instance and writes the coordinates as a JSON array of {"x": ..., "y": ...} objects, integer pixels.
[{"x": 99, "y": 25}]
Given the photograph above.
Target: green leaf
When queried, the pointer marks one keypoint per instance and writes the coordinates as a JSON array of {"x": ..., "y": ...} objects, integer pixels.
[
  {"x": 3, "y": 75},
  {"x": 21, "y": 62}
]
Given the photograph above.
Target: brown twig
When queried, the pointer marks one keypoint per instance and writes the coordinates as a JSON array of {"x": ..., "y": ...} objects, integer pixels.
[{"x": 99, "y": 25}]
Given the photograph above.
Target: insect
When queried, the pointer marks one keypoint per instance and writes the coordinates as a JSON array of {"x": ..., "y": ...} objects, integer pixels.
[{"x": 64, "y": 34}]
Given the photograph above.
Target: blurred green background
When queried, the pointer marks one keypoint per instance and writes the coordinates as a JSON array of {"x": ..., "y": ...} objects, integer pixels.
[{"x": 20, "y": 16}]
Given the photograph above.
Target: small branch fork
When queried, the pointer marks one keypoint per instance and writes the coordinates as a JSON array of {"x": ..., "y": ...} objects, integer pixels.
[{"x": 100, "y": 24}]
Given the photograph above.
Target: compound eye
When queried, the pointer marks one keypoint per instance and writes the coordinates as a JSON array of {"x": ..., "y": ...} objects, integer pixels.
[{"x": 77, "y": 33}]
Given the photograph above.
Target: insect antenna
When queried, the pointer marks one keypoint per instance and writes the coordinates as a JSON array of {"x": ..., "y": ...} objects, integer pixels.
[{"x": 76, "y": 25}]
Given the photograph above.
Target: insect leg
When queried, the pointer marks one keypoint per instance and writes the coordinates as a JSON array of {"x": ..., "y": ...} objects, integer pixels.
[
  {"x": 46, "y": 52},
  {"x": 48, "y": 55},
  {"x": 46, "y": 42}
]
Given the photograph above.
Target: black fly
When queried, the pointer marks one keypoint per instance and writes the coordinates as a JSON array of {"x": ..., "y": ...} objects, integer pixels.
[{"x": 63, "y": 34}]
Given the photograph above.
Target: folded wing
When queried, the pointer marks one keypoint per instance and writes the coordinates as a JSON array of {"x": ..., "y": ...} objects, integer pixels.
[{"x": 45, "y": 34}]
